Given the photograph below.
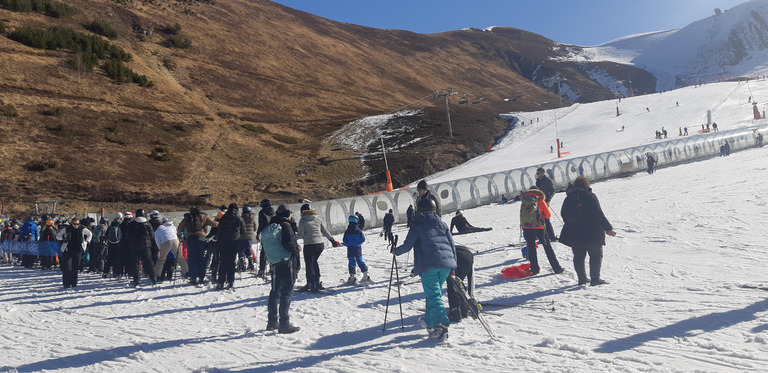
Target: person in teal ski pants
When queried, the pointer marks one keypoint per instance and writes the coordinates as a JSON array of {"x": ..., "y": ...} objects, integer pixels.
[{"x": 434, "y": 256}]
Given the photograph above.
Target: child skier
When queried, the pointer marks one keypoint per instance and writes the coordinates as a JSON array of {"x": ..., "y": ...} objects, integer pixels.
[{"x": 353, "y": 240}]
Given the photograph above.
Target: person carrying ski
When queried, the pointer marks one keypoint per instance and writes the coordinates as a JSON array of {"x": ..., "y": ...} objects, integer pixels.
[
  {"x": 584, "y": 230},
  {"x": 282, "y": 252},
  {"x": 533, "y": 212},
  {"x": 434, "y": 256},
  {"x": 353, "y": 239},
  {"x": 312, "y": 231}
]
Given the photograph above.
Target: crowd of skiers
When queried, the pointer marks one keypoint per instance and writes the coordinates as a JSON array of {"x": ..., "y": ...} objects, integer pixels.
[{"x": 134, "y": 243}]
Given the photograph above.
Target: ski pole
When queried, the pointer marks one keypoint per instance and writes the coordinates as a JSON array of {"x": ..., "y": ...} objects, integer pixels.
[
  {"x": 396, "y": 272},
  {"x": 389, "y": 292},
  {"x": 399, "y": 299}
]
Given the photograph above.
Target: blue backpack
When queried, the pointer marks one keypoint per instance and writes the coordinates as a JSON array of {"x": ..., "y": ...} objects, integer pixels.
[{"x": 271, "y": 239}]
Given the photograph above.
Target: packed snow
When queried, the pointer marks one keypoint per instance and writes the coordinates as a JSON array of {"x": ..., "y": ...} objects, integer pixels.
[
  {"x": 722, "y": 46},
  {"x": 686, "y": 277}
]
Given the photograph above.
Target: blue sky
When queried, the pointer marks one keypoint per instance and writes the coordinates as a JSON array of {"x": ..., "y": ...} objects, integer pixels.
[{"x": 582, "y": 22}]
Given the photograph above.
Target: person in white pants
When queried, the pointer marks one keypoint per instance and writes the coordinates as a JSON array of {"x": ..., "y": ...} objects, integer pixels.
[{"x": 166, "y": 239}]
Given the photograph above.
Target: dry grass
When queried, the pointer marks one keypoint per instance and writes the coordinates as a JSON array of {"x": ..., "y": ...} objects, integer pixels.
[{"x": 241, "y": 110}]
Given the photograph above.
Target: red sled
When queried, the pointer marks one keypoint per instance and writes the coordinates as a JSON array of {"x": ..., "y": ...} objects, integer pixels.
[{"x": 518, "y": 271}]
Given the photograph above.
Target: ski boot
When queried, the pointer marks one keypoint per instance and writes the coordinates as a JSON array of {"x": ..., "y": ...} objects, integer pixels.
[
  {"x": 365, "y": 278},
  {"x": 351, "y": 280},
  {"x": 440, "y": 332}
]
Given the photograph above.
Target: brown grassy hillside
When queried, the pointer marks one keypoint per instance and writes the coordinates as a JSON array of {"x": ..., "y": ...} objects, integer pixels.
[{"x": 251, "y": 102}]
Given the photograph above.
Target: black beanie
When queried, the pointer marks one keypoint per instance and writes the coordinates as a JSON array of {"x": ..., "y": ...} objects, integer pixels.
[
  {"x": 422, "y": 185},
  {"x": 283, "y": 211}
]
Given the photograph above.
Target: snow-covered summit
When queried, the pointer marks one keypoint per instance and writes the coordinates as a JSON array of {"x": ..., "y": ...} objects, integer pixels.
[{"x": 725, "y": 45}]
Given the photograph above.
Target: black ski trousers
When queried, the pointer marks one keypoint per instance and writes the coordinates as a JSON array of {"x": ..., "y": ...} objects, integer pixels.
[
  {"x": 311, "y": 254},
  {"x": 227, "y": 256},
  {"x": 70, "y": 262},
  {"x": 531, "y": 235},
  {"x": 143, "y": 255},
  {"x": 580, "y": 251}
]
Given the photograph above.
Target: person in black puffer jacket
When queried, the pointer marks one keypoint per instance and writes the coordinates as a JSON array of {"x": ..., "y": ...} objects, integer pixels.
[
  {"x": 584, "y": 230},
  {"x": 141, "y": 242},
  {"x": 231, "y": 228}
]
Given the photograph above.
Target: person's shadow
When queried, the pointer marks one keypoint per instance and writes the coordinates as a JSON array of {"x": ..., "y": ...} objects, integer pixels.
[{"x": 707, "y": 323}]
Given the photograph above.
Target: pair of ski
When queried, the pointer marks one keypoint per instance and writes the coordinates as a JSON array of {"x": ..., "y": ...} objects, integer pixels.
[{"x": 470, "y": 303}]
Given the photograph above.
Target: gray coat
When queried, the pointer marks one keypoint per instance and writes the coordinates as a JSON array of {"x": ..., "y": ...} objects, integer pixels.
[
  {"x": 250, "y": 222},
  {"x": 311, "y": 228}
]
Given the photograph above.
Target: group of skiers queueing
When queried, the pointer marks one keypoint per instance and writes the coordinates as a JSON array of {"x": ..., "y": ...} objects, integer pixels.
[{"x": 133, "y": 241}]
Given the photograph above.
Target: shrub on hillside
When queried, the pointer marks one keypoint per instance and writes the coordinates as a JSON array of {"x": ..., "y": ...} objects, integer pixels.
[
  {"x": 49, "y": 7},
  {"x": 115, "y": 69},
  {"x": 102, "y": 27},
  {"x": 66, "y": 38},
  {"x": 88, "y": 49},
  {"x": 8, "y": 111},
  {"x": 52, "y": 112},
  {"x": 41, "y": 165},
  {"x": 59, "y": 10},
  {"x": 17, "y": 5},
  {"x": 285, "y": 139},
  {"x": 255, "y": 128},
  {"x": 116, "y": 139},
  {"x": 173, "y": 30},
  {"x": 160, "y": 153},
  {"x": 178, "y": 41},
  {"x": 2, "y": 27}
]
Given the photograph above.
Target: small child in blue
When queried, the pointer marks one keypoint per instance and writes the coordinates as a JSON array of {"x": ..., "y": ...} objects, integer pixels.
[{"x": 353, "y": 240}]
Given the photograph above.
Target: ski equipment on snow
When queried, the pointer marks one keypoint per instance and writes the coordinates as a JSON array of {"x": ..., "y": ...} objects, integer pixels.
[{"x": 472, "y": 304}]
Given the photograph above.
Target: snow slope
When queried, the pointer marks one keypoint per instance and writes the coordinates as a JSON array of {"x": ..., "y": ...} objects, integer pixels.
[
  {"x": 682, "y": 268},
  {"x": 726, "y": 45}
]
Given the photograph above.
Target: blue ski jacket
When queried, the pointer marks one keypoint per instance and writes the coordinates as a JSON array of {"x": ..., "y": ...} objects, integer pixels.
[{"x": 432, "y": 244}]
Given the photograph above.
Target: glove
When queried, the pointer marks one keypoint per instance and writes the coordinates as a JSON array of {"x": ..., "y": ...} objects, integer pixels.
[{"x": 335, "y": 243}]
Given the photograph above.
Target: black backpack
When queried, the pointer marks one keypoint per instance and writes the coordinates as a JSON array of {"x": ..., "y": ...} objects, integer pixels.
[
  {"x": 573, "y": 211},
  {"x": 113, "y": 234},
  {"x": 194, "y": 223}
]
